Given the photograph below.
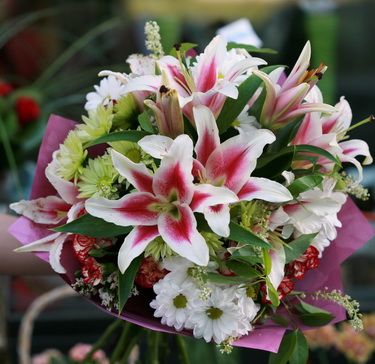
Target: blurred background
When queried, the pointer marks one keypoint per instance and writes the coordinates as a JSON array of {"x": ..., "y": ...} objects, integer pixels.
[{"x": 50, "y": 54}]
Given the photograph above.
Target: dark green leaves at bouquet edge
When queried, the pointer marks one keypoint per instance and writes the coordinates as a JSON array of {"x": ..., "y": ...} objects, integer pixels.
[
  {"x": 233, "y": 107},
  {"x": 245, "y": 236},
  {"x": 293, "y": 349},
  {"x": 313, "y": 316},
  {"x": 305, "y": 183},
  {"x": 126, "y": 282},
  {"x": 250, "y": 48},
  {"x": 128, "y": 135},
  {"x": 297, "y": 247},
  {"x": 93, "y": 226},
  {"x": 220, "y": 279},
  {"x": 242, "y": 269}
]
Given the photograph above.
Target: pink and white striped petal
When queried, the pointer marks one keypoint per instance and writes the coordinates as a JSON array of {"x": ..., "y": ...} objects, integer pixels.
[
  {"x": 137, "y": 208},
  {"x": 136, "y": 173},
  {"x": 310, "y": 129},
  {"x": 179, "y": 231},
  {"x": 143, "y": 83},
  {"x": 242, "y": 66},
  {"x": 55, "y": 254},
  {"x": 135, "y": 244},
  {"x": 208, "y": 133},
  {"x": 264, "y": 189},
  {"x": 306, "y": 108},
  {"x": 174, "y": 180},
  {"x": 157, "y": 146},
  {"x": 41, "y": 245},
  {"x": 49, "y": 210},
  {"x": 218, "y": 219},
  {"x": 278, "y": 259},
  {"x": 207, "y": 68},
  {"x": 339, "y": 121},
  {"x": 233, "y": 161},
  {"x": 66, "y": 189},
  {"x": 206, "y": 195}
]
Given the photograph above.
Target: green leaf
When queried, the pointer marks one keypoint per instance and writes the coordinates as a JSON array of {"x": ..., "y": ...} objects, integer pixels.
[
  {"x": 145, "y": 122},
  {"x": 128, "y": 135},
  {"x": 297, "y": 247},
  {"x": 272, "y": 293},
  {"x": 218, "y": 278},
  {"x": 315, "y": 150},
  {"x": 247, "y": 255},
  {"x": 280, "y": 320},
  {"x": 313, "y": 316},
  {"x": 233, "y": 107},
  {"x": 100, "y": 253},
  {"x": 301, "y": 350},
  {"x": 305, "y": 183},
  {"x": 126, "y": 282},
  {"x": 287, "y": 347},
  {"x": 242, "y": 269},
  {"x": 245, "y": 236},
  {"x": 93, "y": 226},
  {"x": 267, "y": 262},
  {"x": 250, "y": 48}
]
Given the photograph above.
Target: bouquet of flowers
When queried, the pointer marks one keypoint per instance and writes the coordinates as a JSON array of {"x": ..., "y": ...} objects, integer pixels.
[{"x": 202, "y": 195}]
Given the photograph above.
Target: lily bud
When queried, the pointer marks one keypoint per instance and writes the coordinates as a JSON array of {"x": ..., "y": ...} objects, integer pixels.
[{"x": 167, "y": 111}]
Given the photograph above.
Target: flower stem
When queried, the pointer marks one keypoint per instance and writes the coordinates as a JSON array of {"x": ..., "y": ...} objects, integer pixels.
[
  {"x": 104, "y": 338},
  {"x": 10, "y": 158},
  {"x": 79, "y": 44},
  {"x": 183, "y": 349},
  {"x": 362, "y": 122},
  {"x": 121, "y": 344},
  {"x": 136, "y": 333},
  {"x": 154, "y": 347}
]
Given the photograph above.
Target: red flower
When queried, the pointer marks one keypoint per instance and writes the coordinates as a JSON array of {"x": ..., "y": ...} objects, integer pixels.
[
  {"x": 149, "y": 273},
  {"x": 92, "y": 271},
  {"x": 308, "y": 260},
  {"x": 82, "y": 246},
  {"x": 311, "y": 256},
  {"x": 5, "y": 89},
  {"x": 28, "y": 110},
  {"x": 286, "y": 286}
]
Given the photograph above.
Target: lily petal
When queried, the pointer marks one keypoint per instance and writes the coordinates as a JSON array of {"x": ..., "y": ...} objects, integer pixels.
[
  {"x": 233, "y": 161},
  {"x": 339, "y": 121},
  {"x": 264, "y": 189},
  {"x": 206, "y": 195},
  {"x": 133, "y": 209},
  {"x": 208, "y": 133},
  {"x": 181, "y": 234},
  {"x": 55, "y": 254},
  {"x": 136, "y": 173},
  {"x": 49, "y": 210},
  {"x": 157, "y": 146},
  {"x": 143, "y": 83},
  {"x": 218, "y": 219},
  {"x": 41, "y": 245},
  {"x": 135, "y": 244},
  {"x": 278, "y": 262},
  {"x": 174, "y": 176},
  {"x": 67, "y": 190}
]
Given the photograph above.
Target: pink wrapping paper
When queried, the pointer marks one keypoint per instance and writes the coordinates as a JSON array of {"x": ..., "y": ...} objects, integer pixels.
[{"x": 267, "y": 336}]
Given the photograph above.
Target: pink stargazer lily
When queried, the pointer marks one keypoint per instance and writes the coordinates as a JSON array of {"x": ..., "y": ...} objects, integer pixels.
[
  {"x": 214, "y": 77},
  {"x": 230, "y": 164},
  {"x": 162, "y": 206},
  {"x": 328, "y": 132},
  {"x": 285, "y": 102},
  {"x": 51, "y": 210}
]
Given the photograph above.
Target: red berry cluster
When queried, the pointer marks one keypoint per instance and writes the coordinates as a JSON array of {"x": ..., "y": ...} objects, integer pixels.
[
  {"x": 294, "y": 270},
  {"x": 149, "y": 273},
  {"x": 92, "y": 271}
]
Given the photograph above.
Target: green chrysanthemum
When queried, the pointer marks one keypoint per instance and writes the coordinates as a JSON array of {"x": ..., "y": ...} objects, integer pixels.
[
  {"x": 98, "y": 178},
  {"x": 128, "y": 149},
  {"x": 158, "y": 249},
  {"x": 97, "y": 124},
  {"x": 125, "y": 110},
  {"x": 71, "y": 156}
]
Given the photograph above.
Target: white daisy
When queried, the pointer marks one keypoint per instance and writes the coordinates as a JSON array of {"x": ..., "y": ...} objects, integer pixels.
[
  {"x": 217, "y": 318},
  {"x": 110, "y": 89},
  {"x": 248, "y": 308},
  {"x": 173, "y": 302}
]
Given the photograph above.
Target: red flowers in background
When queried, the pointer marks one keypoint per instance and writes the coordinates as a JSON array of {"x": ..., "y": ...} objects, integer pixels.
[
  {"x": 5, "y": 89},
  {"x": 28, "y": 110}
]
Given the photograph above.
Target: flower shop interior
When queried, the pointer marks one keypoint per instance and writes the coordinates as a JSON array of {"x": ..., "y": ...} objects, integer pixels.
[{"x": 50, "y": 55}]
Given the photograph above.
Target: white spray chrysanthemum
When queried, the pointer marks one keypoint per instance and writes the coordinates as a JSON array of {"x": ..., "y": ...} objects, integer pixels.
[
  {"x": 110, "y": 89},
  {"x": 216, "y": 318},
  {"x": 173, "y": 302}
]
